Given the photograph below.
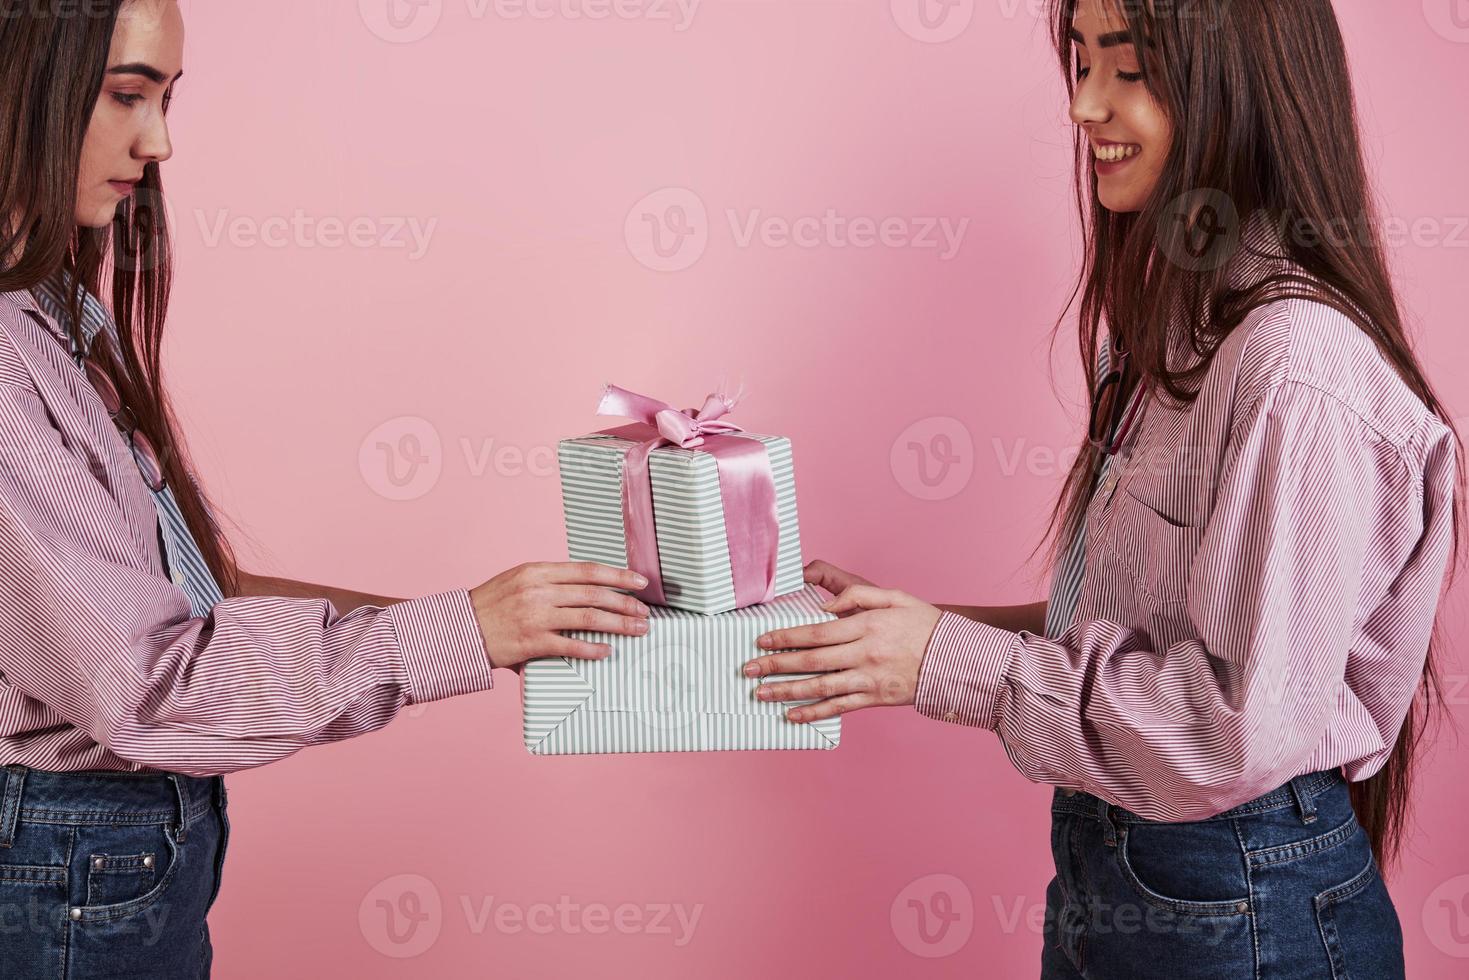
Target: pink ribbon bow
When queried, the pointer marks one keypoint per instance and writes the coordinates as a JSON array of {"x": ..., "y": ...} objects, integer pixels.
[{"x": 746, "y": 488}]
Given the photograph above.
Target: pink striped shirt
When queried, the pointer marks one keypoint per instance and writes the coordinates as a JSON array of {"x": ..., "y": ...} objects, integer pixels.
[
  {"x": 103, "y": 666},
  {"x": 1263, "y": 569}
]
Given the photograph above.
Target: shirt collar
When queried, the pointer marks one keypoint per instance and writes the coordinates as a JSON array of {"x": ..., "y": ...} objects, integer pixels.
[{"x": 49, "y": 298}]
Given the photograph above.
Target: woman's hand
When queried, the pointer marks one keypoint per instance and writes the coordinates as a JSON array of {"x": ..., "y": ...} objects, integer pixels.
[
  {"x": 522, "y": 611},
  {"x": 872, "y": 654}
]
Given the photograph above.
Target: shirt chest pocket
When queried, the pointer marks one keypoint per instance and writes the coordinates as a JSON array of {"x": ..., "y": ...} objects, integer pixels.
[{"x": 1156, "y": 551}]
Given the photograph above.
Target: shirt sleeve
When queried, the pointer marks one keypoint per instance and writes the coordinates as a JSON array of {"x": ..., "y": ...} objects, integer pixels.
[
  {"x": 1317, "y": 524},
  {"x": 111, "y": 646}
]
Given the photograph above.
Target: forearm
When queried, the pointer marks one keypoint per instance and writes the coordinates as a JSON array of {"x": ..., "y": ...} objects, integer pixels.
[
  {"x": 344, "y": 599},
  {"x": 1030, "y": 617}
]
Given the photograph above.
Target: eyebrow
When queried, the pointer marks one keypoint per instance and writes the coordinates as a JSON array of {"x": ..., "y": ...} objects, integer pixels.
[
  {"x": 1111, "y": 40},
  {"x": 144, "y": 69}
]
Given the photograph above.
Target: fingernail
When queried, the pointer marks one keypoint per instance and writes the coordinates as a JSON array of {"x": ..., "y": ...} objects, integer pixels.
[
  {"x": 642, "y": 610},
  {"x": 764, "y": 641},
  {"x": 763, "y": 694},
  {"x": 795, "y": 716},
  {"x": 752, "y": 670},
  {"x": 642, "y": 581},
  {"x": 641, "y": 626}
]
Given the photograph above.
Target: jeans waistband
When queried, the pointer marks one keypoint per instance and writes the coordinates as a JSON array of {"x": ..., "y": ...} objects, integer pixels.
[
  {"x": 1297, "y": 792},
  {"x": 98, "y": 797}
]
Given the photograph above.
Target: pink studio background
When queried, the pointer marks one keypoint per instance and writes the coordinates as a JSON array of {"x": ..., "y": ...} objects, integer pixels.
[{"x": 518, "y": 147}]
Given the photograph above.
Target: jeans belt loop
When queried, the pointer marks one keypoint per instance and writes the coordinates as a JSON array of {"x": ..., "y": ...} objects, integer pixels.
[
  {"x": 183, "y": 808},
  {"x": 1304, "y": 803},
  {"x": 15, "y": 777},
  {"x": 1109, "y": 829}
]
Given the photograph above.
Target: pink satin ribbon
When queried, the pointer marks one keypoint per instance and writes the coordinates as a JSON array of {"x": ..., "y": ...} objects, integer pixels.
[{"x": 746, "y": 488}]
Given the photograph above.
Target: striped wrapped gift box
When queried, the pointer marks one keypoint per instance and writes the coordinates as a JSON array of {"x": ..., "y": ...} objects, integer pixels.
[
  {"x": 693, "y": 550},
  {"x": 680, "y": 688}
]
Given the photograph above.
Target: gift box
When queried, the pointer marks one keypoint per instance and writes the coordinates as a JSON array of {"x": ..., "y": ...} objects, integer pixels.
[
  {"x": 703, "y": 509},
  {"x": 678, "y": 688}
]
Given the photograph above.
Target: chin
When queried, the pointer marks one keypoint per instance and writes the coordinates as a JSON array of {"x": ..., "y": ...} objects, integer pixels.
[
  {"x": 1120, "y": 201},
  {"x": 96, "y": 216}
]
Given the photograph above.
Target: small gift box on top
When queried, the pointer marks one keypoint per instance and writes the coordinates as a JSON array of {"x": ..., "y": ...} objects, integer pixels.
[{"x": 701, "y": 508}]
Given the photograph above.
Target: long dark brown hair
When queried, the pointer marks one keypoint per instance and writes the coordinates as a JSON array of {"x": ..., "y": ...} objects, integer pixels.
[
  {"x": 1264, "y": 124},
  {"x": 52, "y": 60}
]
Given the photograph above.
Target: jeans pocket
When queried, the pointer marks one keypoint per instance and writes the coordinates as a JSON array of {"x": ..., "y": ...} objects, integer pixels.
[
  {"x": 113, "y": 878},
  {"x": 1193, "y": 868},
  {"x": 1360, "y": 928},
  {"x": 137, "y": 864}
]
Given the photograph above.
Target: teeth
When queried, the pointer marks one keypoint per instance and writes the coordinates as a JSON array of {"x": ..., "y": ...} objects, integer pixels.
[{"x": 1113, "y": 152}]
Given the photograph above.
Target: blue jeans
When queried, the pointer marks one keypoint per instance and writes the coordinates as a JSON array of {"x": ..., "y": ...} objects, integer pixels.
[
  {"x": 108, "y": 874},
  {"x": 1284, "y": 886}
]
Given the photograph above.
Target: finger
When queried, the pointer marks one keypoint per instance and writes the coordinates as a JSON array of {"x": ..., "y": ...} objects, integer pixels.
[
  {"x": 817, "y": 635},
  {"x": 830, "y": 708},
  {"x": 565, "y": 646},
  {"x": 823, "y": 574},
  {"x": 815, "y": 688},
  {"x": 830, "y": 577},
  {"x": 595, "y": 573},
  {"x": 596, "y": 621},
  {"x": 805, "y": 661},
  {"x": 861, "y": 597},
  {"x": 596, "y": 597}
]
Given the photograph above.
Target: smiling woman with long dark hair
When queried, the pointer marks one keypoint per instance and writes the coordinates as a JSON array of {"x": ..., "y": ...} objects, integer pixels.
[
  {"x": 139, "y": 661},
  {"x": 1234, "y": 669}
]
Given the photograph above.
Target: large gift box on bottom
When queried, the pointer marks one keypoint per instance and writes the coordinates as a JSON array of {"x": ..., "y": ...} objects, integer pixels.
[{"x": 679, "y": 688}]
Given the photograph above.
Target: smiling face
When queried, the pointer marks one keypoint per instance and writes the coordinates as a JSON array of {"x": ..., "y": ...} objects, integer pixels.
[
  {"x": 128, "y": 130},
  {"x": 1127, "y": 129}
]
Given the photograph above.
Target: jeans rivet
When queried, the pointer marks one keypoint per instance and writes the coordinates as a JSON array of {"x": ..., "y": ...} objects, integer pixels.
[{"x": 1242, "y": 907}]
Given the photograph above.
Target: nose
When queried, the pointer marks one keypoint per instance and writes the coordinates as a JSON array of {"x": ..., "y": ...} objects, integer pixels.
[
  {"x": 154, "y": 144},
  {"x": 1089, "y": 104}
]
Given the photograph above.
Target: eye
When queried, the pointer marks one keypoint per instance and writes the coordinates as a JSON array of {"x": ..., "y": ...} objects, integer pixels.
[
  {"x": 167, "y": 100},
  {"x": 1130, "y": 76},
  {"x": 127, "y": 98}
]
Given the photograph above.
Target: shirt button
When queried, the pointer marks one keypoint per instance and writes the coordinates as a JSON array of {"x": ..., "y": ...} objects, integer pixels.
[
  {"x": 178, "y": 576},
  {"x": 951, "y": 716}
]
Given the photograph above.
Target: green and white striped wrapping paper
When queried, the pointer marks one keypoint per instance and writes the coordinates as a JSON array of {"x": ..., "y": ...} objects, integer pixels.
[
  {"x": 679, "y": 688},
  {"x": 693, "y": 551}
]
